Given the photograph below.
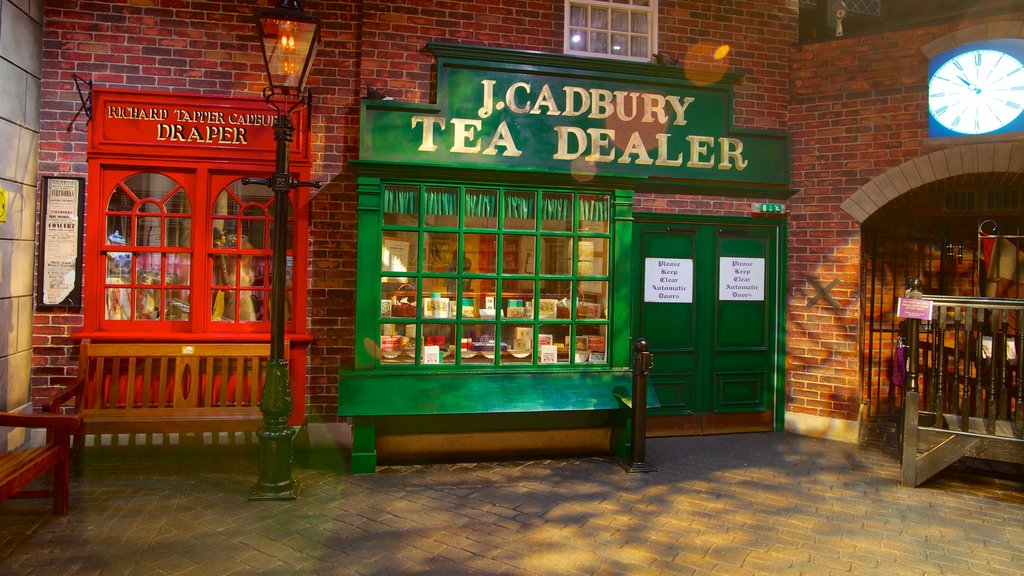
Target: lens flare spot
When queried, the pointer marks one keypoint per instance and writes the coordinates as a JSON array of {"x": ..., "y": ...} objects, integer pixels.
[
  {"x": 583, "y": 170},
  {"x": 721, "y": 52}
]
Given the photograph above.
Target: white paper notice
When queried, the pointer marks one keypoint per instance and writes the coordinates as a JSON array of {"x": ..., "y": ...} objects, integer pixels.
[
  {"x": 668, "y": 280},
  {"x": 61, "y": 239},
  {"x": 741, "y": 279}
]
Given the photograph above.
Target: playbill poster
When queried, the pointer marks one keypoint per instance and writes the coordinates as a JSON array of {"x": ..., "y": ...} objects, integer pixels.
[{"x": 60, "y": 273}]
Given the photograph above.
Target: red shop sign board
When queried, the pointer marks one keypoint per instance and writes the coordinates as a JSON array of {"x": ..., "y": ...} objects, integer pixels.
[{"x": 132, "y": 122}]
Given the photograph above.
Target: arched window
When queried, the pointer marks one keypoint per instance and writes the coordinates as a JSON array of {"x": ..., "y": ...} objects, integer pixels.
[{"x": 147, "y": 250}]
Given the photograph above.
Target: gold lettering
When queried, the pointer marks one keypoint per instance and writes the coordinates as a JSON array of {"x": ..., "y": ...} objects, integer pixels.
[
  {"x": 635, "y": 146},
  {"x": 503, "y": 137},
  {"x": 510, "y": 98},
  {"x": 427, "y": 139},
  {"x": 699, "y": 146},
  {"x": 546, "y": 99},
  {"x": 564, "y": 132},
  {"x": 465, "y": 131},
  {"x": 600, "y": 140},
  {"x": 732, "y": 150},
  {"x": 654, "y": 105}
]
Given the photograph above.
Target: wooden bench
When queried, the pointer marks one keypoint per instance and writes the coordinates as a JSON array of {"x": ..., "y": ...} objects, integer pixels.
[
  {"x": 167, "y": 387},
  {"x": 370, "y": 399},
  {"x": 20, "y": 467}
]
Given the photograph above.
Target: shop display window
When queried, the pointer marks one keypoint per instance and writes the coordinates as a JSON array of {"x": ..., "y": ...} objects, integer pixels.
[
  {"x": 493, "y": 277},
  {"x": 166, "y": 254}
]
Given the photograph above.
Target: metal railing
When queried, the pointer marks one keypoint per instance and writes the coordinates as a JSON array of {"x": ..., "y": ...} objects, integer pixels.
[{"x": 964, "y": 365}]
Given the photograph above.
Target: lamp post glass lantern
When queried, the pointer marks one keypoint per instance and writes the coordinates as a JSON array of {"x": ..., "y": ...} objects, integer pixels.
[{"x": 288, "y": 39}]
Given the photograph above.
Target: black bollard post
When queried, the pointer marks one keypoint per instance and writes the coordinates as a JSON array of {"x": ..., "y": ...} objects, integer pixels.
[{"x": 642, "y": 360}]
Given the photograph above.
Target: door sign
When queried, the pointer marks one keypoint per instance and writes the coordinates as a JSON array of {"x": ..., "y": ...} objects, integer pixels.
[
  {"x": 669, "y": 280},
  {"x": 741, "y": 279}
]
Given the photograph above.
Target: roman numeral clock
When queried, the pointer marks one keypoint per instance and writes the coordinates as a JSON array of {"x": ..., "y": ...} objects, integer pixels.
[{"x": 977, "y": 88}]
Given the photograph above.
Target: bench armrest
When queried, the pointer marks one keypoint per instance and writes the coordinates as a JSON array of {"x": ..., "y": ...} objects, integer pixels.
[
  {"x": 74, "y": 391},
  {"x": 70, "y": 423}
]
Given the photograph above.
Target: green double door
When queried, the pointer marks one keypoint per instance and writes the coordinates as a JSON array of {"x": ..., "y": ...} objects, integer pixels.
[{"x": 709, "y": 304}]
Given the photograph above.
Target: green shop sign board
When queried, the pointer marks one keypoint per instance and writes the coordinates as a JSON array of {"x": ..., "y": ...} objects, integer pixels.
[{"x": 585, "y": 117}]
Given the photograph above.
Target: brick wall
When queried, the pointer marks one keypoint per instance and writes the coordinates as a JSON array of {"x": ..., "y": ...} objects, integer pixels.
[
  {"x": 858, "y": 108},
  {"x": 198, "y": 47},
  {"x": 209, "y": 49},
  {"x": 855, "y": 108}
]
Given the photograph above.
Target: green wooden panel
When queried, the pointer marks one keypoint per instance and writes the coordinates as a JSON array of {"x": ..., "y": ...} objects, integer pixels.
[
  {"x": 742, "y": 358},
  {"x": 741, "y": 324},
  {"x": 671, "y": 328},
  {"x": 720, "y": 354},
  {"x": 740, "y": 392},
  {"x": 382, "y": 394},
  {"x": 543, "y": 113}
]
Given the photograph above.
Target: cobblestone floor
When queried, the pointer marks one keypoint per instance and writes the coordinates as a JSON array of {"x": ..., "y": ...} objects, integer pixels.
[{"x": 734, "y": 505}]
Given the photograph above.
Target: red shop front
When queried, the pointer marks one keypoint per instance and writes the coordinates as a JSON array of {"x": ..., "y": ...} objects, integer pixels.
[{"x": 177, "y": 248}]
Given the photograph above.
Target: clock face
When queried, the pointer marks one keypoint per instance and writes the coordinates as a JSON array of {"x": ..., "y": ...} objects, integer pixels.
[{"x": 977, "y": 91}]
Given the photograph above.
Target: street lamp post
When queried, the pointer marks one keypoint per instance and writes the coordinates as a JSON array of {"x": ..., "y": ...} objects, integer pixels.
[{"x": 288, "y": 38}]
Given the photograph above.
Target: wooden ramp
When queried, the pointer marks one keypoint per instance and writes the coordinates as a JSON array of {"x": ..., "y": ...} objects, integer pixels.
[{"x": 929, "y": 450}]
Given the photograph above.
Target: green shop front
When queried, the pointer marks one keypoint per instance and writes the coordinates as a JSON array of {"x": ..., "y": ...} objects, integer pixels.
[{"x": 503, "y": 273}]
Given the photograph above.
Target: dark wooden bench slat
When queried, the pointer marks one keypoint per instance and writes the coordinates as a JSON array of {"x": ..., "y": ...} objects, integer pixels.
[
  {"x": 20, "y": 467},
  {"x": 164, "y": 387}
]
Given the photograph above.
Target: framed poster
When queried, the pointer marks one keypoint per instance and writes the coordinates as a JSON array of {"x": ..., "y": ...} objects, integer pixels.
[{"x": 61, "y": 213}]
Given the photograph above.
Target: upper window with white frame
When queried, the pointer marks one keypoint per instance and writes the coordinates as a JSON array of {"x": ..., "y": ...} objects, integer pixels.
[{"x": 625, "y": 29}]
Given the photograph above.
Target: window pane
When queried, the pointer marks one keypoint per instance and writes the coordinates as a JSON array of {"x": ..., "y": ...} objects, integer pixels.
[
  {"x": 578, "y": 39},
  {"x": 478, "y": 298},
  {"x": 397, "y": 298},
  {"x": 399, "y": 205},
  {"x": 119, "y": 230},
  {"x": 149, "y": 185},
  {"x": 519, "y": 255},
  {"x": 440, "y": 250},
  {"x": 556, "y": 212},
  {"x": 591, "y": 344},
  {"x": 639, "y": 23},
  {"x": 594, "y": 213},
  {"x": 438, "y": 344},
  {"x": 620, "y": 44},
  {"x": 481, "y": 208},
  {"x": 120, "y": 201},
  {"x": 639, "y": 46},
  {"x": 520, "y": 210},
  {"x": 147, "y": 304},
  {"x": 178, "y": 203},
  {"x": 592, "y": 258},
  {"x": 178, "y": 307},
  {"x": 599, "y": 42},
  {"x": 178, "y": 232},
  {"x": 397, "y": 343},
  {"x": 398, "y": 252},
  {"x": 592, "y": 299},
  {"x": 178, "y": 269},
  {"x": 480, "y": 253},
  {"x": 517, "y": 297},
  {"x": 517, "y": 344},
  {"x": 477, "y": 344},
  {"x": 438, "y": 295},
  {"x": 118, "y": 303},
  {"x": 599, "y": 18},
  {"x": 147, "y": 231},
  {"x": 556, "y": 255},
  {"x": 578, "y": 15},
  {"x": 620, "y": 21},
  {"x": 440, "y": 206}
]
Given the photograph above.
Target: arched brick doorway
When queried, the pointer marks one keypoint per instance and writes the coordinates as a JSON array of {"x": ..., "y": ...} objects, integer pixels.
[{"x": 925, "y": 219}]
